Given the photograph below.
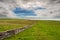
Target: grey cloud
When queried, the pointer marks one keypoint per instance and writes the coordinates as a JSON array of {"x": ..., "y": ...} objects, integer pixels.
[
  {"x": 54, "y": 2},
  {"x": 3, "y": 13},
  {"x": 26, "y": 1},
  {"x": 1, "y": 0},
  {"x": 5, "y": 9},
  {"x": 53, "y": 7},
  {"x": 3, "y": 16},
  {"x": 57, "y": 17}
]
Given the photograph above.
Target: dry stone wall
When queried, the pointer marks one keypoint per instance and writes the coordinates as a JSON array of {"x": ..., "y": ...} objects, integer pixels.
[{"x": 13, "y": 32}]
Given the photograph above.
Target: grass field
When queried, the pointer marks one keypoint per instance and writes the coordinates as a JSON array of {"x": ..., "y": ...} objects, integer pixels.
[
  {"x": 8, "y": 24},
  {"x": 42, "y": 30}
]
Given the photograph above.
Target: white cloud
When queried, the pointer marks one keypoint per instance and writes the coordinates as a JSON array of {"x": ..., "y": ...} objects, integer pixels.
[
  {"x": 5, "y": 10},
  {"x": 51, "y": 11},
  {"x": 52, "y": 7}
]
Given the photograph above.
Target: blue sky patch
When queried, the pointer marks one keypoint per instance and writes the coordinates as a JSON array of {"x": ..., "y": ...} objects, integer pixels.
[
  {"x": 39, "y": 8},
  {"x": 23, "y": 12}
]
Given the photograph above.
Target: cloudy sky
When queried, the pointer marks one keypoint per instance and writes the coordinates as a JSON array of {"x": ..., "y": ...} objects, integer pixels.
[{"x": 34, "y": 9}]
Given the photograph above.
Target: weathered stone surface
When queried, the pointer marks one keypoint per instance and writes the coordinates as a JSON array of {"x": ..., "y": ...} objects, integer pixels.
[{"x": 13, "y": 32}]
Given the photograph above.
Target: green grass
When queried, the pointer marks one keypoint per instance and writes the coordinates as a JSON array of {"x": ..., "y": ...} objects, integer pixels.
[
  {"x": 42, "y": 30},
  {"x": 8, "y": 24}
]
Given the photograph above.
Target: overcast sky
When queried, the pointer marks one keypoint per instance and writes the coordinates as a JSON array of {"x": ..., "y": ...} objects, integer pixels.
[{"x": 42, "y": 9}]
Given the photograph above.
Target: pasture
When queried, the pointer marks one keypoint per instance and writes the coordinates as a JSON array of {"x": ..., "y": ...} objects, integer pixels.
[
  {"x": 41, "y": 30},
  {"x": 9, "y": 24}
]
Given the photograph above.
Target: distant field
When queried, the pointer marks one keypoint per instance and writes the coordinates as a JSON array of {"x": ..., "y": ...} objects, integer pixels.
[
  {"x": 42, "y": 30},
  {"x": 8, "y": 24}
]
